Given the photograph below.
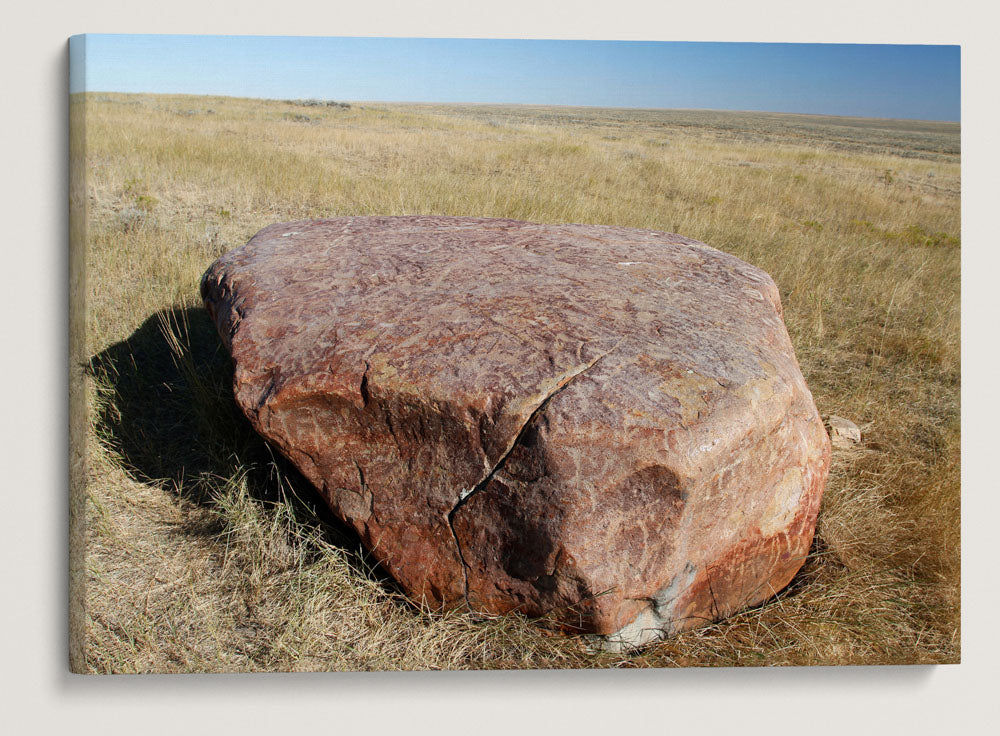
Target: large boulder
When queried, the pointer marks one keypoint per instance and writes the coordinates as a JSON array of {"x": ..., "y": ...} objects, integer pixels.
[{"x": 602, "y": 425}]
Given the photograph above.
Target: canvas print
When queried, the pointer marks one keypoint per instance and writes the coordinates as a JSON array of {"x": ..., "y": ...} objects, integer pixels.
[{"x": 416, "y": 354}]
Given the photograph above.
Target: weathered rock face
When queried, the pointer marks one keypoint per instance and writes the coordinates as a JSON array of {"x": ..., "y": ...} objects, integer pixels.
[{"x": 604, "y": 425}]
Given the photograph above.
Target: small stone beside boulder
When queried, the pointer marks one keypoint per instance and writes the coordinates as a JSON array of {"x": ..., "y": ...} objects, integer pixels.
[
  {"x": 601, "y": 425},
  {"x": 843, "y": 432}
]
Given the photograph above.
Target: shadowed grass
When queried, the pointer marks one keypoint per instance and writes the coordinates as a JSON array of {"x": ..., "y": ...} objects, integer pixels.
[{"x": 208, "y": 552}]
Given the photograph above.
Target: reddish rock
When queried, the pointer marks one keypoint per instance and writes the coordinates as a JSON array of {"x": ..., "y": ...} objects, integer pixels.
[{"x": 604, "y": 425}]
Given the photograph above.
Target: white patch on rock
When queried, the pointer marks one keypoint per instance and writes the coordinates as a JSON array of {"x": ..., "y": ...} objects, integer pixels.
[
  {"x": 708, "y": 446},
  {"x": 784, "y": 502},
  {"x": 654, "y": 623}
]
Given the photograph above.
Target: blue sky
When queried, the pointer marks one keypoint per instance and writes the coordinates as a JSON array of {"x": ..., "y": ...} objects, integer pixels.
[{"x": 892, "y": 81}]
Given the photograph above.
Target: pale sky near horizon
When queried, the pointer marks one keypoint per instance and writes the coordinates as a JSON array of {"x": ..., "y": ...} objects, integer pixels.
[{"x": 887, "y": 81}]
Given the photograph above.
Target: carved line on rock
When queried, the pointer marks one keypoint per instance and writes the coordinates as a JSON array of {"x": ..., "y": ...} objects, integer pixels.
[{"x": 465, "y": 496}]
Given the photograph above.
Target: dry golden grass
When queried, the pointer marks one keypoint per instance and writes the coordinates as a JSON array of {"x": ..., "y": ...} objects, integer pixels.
[{"x": 205, "y": 552}]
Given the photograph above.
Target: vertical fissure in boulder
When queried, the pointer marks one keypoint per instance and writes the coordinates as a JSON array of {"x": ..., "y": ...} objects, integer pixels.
[
  {"x": 361, "y": 478},
  {"x": 464, "y": 496},
  {"x": 366, "y": 396}
]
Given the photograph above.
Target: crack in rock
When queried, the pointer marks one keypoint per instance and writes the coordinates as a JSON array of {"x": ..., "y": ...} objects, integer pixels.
[
  {"x": 363, "y": 389},
  {"x": 464, "y": 495}
]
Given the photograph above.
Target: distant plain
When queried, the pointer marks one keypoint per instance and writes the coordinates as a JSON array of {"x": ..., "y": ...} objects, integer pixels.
[{"x": 207, "y": 552}]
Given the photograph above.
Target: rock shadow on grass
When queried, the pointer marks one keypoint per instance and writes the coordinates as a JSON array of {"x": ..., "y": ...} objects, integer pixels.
[{"x": 165, "y": 407}]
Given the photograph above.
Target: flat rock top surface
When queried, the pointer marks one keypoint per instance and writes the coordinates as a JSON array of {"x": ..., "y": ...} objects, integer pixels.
[{"x": 467, "y": 310}]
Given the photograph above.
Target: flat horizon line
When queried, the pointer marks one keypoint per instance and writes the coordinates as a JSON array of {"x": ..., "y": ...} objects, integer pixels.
[{"x": 519, "y": 104}]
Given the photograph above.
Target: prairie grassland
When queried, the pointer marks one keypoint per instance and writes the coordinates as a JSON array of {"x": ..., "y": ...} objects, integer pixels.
[{"x": 207, "y": 552}]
